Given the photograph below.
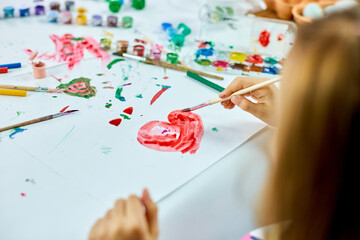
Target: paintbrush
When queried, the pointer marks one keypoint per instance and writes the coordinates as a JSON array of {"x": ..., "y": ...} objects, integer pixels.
[
  {"x": 240, "y": 92},
  {"x": 166, "y": 65},
  {"x": 41, "y": 119},
  {"x": 34, "y": 89}
]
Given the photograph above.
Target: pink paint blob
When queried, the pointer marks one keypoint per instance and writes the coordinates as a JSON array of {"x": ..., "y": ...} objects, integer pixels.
[
  {"x": 264, "y": 38},
  {"x": 182, "y": 133},
  {"x": 220, "y": 64}
]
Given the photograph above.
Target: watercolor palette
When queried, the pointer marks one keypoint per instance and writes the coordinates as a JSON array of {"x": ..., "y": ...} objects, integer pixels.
[{"x": 248, "y": 46}]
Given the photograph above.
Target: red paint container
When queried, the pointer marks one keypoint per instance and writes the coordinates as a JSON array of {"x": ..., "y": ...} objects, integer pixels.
[
  {"x": 139, "y": 50},
  {"x": 220, "y": 64},
  {"x": 39, "y": 70},
  {"x": 3, "y": 70}
]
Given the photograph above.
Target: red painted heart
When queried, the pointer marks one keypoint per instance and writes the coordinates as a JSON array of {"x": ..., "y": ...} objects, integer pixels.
[{"x": 182, "y": 133}]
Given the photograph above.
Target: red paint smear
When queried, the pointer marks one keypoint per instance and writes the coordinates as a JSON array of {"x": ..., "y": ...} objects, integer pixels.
[
  {"x": 257, "y": 59},
  {"x": 63, "y": 110},
  {"x": 115, "y": 122},
  {"x": 185, "y": 130},
  {"x": 23, "y": 194},
  {"x": 280, "y": 37},
  {"x": 157, "y": 95},
  {"x": 264, "y": 38},
  {"x": 129, "y": 110},
  {"x": 58, "y": 79},
  {"x": 220, "y": 64},
  {"x": 72, "y": 51},
  {"x": 28, "y": 52},
  {"x": 108, "y": 87}
]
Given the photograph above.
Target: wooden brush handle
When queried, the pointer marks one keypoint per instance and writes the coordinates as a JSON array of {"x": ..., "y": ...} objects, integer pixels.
[
  {"x": 17, "y": 87},
  {"x": 246, "y": 90},
  {"x": 26, "y": 123}
]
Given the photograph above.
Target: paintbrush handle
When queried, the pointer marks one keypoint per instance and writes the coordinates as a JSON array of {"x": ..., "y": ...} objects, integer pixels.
[
  {"x": 180, "y": 68},
  {"x": 18, "y": 87},
  {"x": 27, "y": 123},
  {"x": 246, "y": 90}
]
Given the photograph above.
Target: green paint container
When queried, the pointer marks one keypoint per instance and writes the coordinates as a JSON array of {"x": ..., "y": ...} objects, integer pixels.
[
  {"x": 172, "y": 58},
  {"x": 178, "y": 40},
  {"x": 127, "y": 22},
  {"x": 138, "y": 4},
  {"x": 185, "y": 30},
  {"x": 114, "y": 6}
]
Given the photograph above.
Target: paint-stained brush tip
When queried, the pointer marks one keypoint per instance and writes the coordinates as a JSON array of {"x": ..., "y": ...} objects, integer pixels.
[
  {"x": 186, "y": 110},
  {"x": 71, "y": 111}
]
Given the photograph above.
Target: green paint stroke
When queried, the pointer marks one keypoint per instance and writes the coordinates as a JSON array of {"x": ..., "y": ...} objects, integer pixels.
[
  {"x": 109, "y": 66},
  {"x": 79, "y": 87},
  {"x": 163, "y": 86},
  {"x": 118, "y": 94},
  {"x": 215, "y": 129},
  {"x": 139, "y": 96},
  {"x": 19, "y": 113},
  {"x": 125, "y": 116},
  {"x": 77, "y": 39},
  {"x": 108, "y": 105},
  {"x": 54, "y": 96},
  {"x": 64, "y": 139},
  {"x": 105, "y": 150}
]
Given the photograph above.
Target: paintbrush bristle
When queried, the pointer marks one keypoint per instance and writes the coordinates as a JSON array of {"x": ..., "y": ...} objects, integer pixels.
[{"x": 71, "y": 111}]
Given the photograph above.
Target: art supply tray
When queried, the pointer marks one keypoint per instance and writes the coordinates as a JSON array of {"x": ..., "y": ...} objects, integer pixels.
[{"x": 247, "y": 45}]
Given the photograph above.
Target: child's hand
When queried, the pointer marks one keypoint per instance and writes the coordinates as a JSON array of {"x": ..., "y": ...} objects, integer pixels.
[
  {"x": 128, "y": 220},
  {"x": 265, "y": 97}
]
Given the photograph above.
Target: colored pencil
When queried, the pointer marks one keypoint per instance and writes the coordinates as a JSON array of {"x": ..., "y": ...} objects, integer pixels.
[
  {"x": 204, "y": 81},
  {"x": 9, "y": 92},
  {"x": 34, "y": 89},
  {"x": 240, "y": 92},
  {"x": 41, "y": 119},
  {"x": 11, "y": 65},
  {"x": 166, "y": 65}
]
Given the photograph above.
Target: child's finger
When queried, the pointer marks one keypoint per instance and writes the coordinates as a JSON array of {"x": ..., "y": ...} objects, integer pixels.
[
  {"x": 234, "y": 86},
  {"x": 247, "y": 105},
  {"x": 151, "y": 213}
]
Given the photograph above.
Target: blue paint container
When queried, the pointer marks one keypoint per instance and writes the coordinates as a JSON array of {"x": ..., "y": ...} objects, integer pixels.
[
  {"x": 24, "y": 11},
  {"x": 8, "y": 12},
  {"x": 39, "y": 10},
  {"x": 52, "y": 16},
  {"x": 165, "y": 26},
  {"x": 96, "y": 20}
]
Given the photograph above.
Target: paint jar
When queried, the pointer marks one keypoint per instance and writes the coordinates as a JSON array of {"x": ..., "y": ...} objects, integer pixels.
[
  {"x": 172, "y": 58},
  {"x": 127, "y": 22},
  {"x": 122, "y": 46},
  {"x": 105, "y": 43},
  {"x": 112, "y": 21},
  {"x": 96, "y": 20},
  {"x": 178, "y": 40},
  {"x": 165, "y": 26},
  {"x": 24, "y": 11},
  {"x": 81, "y": 10},
  {"x": 55, "y": 6},
  {"x": 8, "y": 12},
  {"x": 39, "y": 70},
  {"x": 114, "y": 6},
  {"x": 183, "y": 29},
  {"x": 39, "y": 10},
  {"x": 139, "y": 50},
  {"x": 52, "y": 16},
  {"x": 138, "y": 4},
  {"x": 65, "y": 17},
  {"x": 203, "y": 62},
  {"x": 81, "y": 18},
  {"x": 155, "y": 53},
  {"x": 70, "y": 6}
]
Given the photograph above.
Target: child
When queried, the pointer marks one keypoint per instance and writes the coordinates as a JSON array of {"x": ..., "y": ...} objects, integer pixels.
[{"x": 313, "y": 181}]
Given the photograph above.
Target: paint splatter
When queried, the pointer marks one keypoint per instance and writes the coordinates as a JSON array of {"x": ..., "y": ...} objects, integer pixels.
[
  {"x": 154, "y": 78},
  {"x": 166, "y": 77},
  {"x": 19, "y": 113},
  {"x": 109, "y": 104},
  {"x": 105, "y": 150},
  {"x": 280, "y": 37},
  {"x": 71, "y": 50},
  {"x": 23, "y": 194},
  {"x": 16, "y": 131},
  {"x": 100, "y": 74},
  {"x": 139, "y": 96},
  {"x": 116, "y": 122},
  {"x": 79, "y": 87},
  {"x": 30, "y": 181},
  {"x": 264, "y": 38},
  {"x": 126, "y": 84},
  {"x": 106, "y": 82},
  {"x": 129, "y": 110},
  {"x": 183, "y": 133},
  {"x": 215, "y": 129},
  {"x": 158, "y": 94},
  {"x": 118, "y": 94},
  {"x": 63, "y": 110},
  {"x": 54, "y": 96},
  {"x": 125, "y": 117},
  {"x": 109, "y": 66}
]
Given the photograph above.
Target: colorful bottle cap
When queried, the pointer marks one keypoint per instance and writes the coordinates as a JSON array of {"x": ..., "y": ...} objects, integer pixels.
[
  {"x": 105, "y": 43},
  {"x": 139, "y": 50},
  {"x": 183, "y": 29},
  {"x": 39, "y": 10},
  {"x": 127, "y": 22},
  {"x": 52, "y": 16},
  {"x": 24, "y": 11},
  {"x": 138, "y": 4},
  {"x": 11, "y": 65},
  {"x": 8, "y": 12},
  {"x": 96, "y": 20},
  {"x": 165, "y": 26},
  {"x": 114, "y": 6},
  {"x": 66, "y": 17},
  {"x": 178, "y": 40},
  {"x": 3, "y": 69},
  {"x": 39, "y": 70},
  {"x": 112, "y": 21},
  {"x": 81, "y": 10},
  {"x": 172, "y": 58},
  {"x": 122, "y": 46},
  {"x": 70, "y": 6},
  {"x": 155, "y": 53},
  {"x": 81, "y": 19},
  {"x": 55, "y": 6}
]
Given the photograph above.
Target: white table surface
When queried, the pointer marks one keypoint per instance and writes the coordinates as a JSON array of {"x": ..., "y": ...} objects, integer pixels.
[{"x": 219, "y": 203}]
